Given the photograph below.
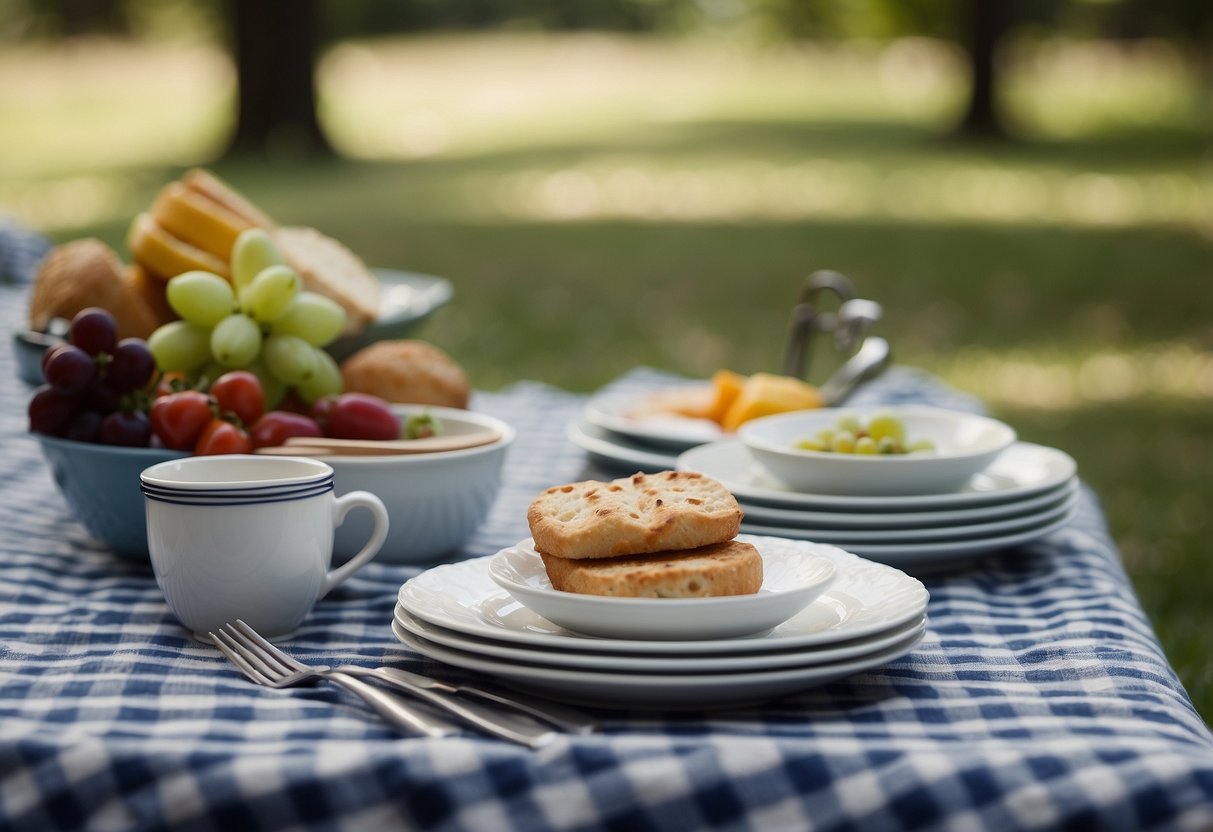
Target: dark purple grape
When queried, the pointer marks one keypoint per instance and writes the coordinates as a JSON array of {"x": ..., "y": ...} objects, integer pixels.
[
  {"x": 102, "y": 398},
  {"x": 70, "y": 370},
  {"x": 85, "y": 426},
  {"x": 49, "y": 411},
  {"x": 94, "y": 330},
  {"x": 126, "y": 427},
  {"x": 51, "y": 353},
  {"x": 131, "y": 365}
]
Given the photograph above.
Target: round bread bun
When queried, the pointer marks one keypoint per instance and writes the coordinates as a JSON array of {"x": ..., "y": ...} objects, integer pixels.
[
  {"x": 407, "y": 372},
  {"x": 86, "y": 273}
]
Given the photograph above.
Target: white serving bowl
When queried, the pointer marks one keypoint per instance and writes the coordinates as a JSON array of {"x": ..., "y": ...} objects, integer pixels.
[
  {"x": 435, "y": 501},
  {"x": 964, "y": 445}
]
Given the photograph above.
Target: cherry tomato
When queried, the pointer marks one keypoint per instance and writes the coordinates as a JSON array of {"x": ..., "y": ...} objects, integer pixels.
[
  {"x": 275, "y": 427},
  {"x": 358, "y": 416},
  {"x": 240, "y": 392},
  {"x": 179, "y": 418},
  {"x": 220, "y": 437}
]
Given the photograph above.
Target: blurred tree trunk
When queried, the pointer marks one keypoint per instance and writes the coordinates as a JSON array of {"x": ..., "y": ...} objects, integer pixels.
[
  {"x": 274, "y": 50},
  {"x": 986, "y": 21}
]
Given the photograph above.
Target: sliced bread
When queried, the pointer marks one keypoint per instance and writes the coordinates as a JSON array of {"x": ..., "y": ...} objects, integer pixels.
[
  {"x": 730, "y": 568},
  {"x": 640, "y": 514},
  {"x": 329, "y": 268}
]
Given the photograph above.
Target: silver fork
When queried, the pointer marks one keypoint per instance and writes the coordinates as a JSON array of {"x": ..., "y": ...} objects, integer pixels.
[
  {"x": 265, "y": 664},
  {"x": 264, "y": 671}
]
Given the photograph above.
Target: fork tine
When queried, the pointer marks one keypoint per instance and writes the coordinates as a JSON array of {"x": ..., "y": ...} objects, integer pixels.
[
  {"x": 224, "y": 642},
  {"x": 267, "y": 649},
  {"x": 254, "y": 654}
]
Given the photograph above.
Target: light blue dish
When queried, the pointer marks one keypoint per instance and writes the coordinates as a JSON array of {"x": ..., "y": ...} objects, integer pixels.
[{"x": 101, "y": 486}]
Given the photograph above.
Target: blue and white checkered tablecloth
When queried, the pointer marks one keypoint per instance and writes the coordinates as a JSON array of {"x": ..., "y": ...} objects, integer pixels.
[{"x": 1039, "y": 698}]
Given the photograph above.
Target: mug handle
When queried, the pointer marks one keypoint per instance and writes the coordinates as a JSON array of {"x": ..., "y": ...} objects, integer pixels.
[{"x": 341, "y": 507}]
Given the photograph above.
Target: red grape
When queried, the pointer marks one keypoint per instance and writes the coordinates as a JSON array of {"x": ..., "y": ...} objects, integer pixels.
[
  {"x": 131, "y": 365},
  {"x": 359, "y": 416},
  {"x": 126, "y": 427},
  {"x": 275, "y": 427},
  {"x": 179, "y": 418},
  {"x": 94, "y": 330},
  {"x": 50, "y": 411},
  {"x": 70, "y": 370}
]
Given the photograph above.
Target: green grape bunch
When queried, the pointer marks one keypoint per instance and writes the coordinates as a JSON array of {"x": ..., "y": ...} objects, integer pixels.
[{"x": 263, "y": 321}]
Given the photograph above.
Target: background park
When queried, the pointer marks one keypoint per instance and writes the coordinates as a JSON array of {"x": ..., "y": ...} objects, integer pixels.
[{"x": 1026, "y": 188}]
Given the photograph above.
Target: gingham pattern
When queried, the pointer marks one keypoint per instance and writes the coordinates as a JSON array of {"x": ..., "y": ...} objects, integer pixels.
[{"x": 1039, "y": 698}]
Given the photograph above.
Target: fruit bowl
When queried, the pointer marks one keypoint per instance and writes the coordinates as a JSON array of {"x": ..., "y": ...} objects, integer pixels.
[
  {"x": 963, "y": 445},
  {"x": 101, "y": 486},
  {"x": 436, "y": 501}
]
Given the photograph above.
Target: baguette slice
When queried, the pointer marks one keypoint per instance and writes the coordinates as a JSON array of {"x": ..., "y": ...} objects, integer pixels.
[
  {"x": 730, "y": 568},
  {"x": 638, "y": 515},
  {"x": 329, "y": 268}
]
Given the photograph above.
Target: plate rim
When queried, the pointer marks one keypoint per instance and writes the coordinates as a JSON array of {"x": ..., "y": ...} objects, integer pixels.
[
  {"x": 849, "y": 560},
  {"x": 574, "y": 659},
  {"x": 769, "y": 495}
]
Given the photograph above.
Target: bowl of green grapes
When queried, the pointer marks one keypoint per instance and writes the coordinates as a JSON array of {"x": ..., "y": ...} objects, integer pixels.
[{"x": 899, "y": 450}]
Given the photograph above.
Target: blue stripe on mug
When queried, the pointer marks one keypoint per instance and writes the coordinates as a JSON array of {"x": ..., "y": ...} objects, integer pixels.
[
  {"x": 251, "y": 489},
  {"x": 186, "y": 498},
  {"x": 235, "y": 494}
]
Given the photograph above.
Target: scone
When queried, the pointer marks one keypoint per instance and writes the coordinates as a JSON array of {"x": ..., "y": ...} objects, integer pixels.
[
  {"x": 729, "y": 568},
  {"x": 407, "y": 372},
  {"x": 641, "y": 514},
  {"x": 86, "y": 273}
]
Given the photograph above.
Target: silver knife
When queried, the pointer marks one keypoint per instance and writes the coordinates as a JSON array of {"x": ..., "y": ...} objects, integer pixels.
[{"x": 566, "y": 719}]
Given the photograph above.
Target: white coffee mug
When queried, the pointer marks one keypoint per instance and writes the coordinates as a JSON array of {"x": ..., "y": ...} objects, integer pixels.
[{"x": 249, "y": 537}]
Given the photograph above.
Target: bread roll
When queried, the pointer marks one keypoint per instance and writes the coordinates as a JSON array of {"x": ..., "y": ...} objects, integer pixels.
[
  {"x": 86, "y": 273},
  {"x": 638, "y": 515},
  {"x": 407, "y": 372},
  {"x": 730, "y": 568}
]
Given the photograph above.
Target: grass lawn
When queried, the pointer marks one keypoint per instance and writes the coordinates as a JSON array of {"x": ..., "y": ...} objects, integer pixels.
[{"x": 602, "y": 203}]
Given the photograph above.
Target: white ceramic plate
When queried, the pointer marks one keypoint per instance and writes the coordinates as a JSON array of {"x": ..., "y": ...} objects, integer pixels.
[
  {"x": 964, "y": 444},
  {"x": 645, "y": 417},
  {"x": 1020, "y": 471},
  {"x": 931, "y": 534},
  {"x": 917, "y": 556},
  {"x": 618, "y": 453},
  {"x": 682, "y": 663},
  {"x": 405, "y": 300},
  {"x": 792, "y": 578},
  {"x": 865, "y": 598},
  {"x": 845, "y": 520},
  {"x": 614, "y": 689}
]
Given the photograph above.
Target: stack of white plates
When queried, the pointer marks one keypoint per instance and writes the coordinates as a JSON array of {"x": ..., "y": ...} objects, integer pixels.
[
  {"x": 848, "y": 615},
  {"x": 1029, "y": 491}
]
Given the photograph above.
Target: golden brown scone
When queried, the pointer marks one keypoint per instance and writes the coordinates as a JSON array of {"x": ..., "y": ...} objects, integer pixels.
[
  {"x": 86, "y": 273},
  {"x": 729, "y": 568},
  {"x": 638, "y": 515},
  {"x": 407, "y": 372}
]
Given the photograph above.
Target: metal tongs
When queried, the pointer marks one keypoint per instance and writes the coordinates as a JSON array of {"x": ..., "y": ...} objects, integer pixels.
[{"x": 867, "y": 355}]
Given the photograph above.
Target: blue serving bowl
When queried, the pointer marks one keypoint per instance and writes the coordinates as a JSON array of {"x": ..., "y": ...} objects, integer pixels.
[{"x": 101, "y": 486}]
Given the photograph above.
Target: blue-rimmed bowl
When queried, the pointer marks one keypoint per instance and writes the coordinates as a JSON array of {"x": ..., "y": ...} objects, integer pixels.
[{"x": 101, "y": 486}]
